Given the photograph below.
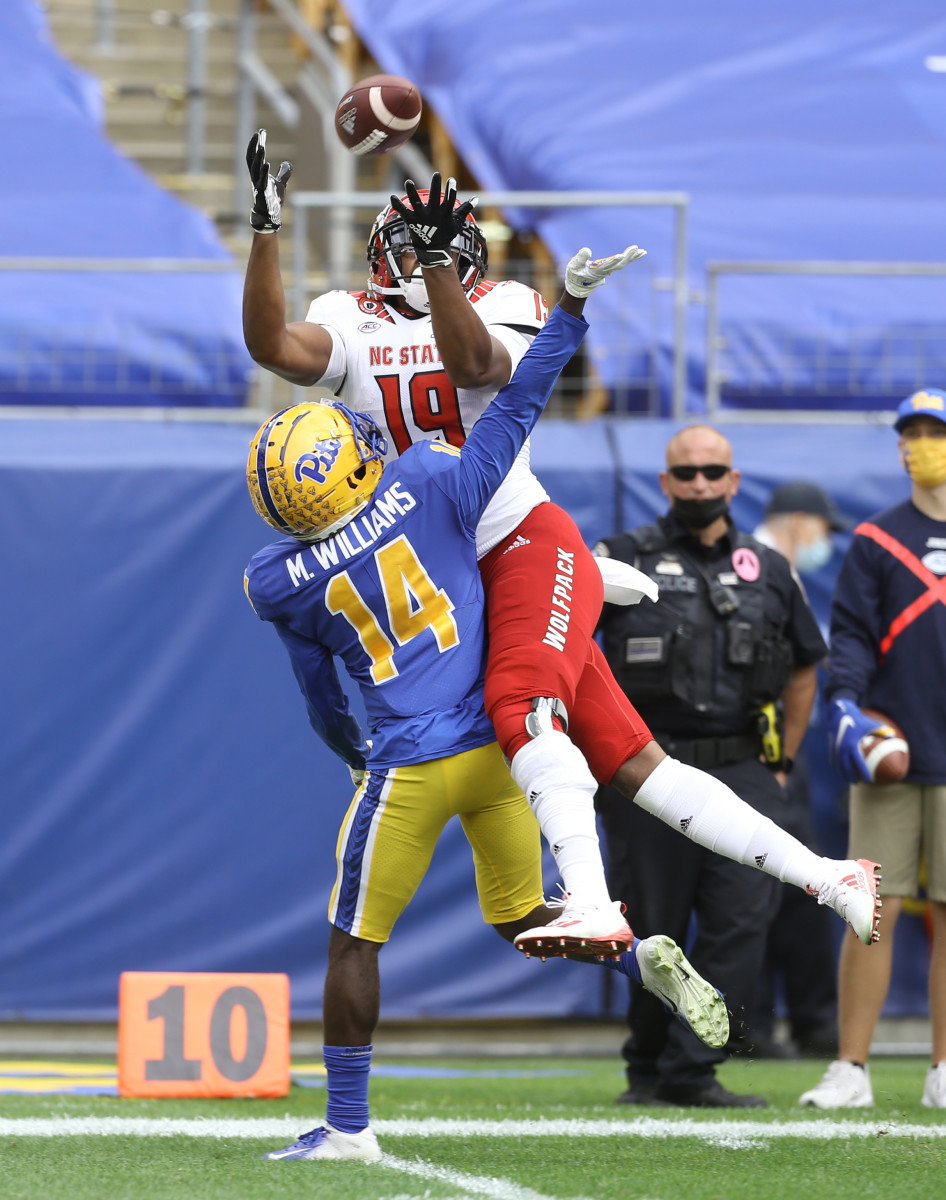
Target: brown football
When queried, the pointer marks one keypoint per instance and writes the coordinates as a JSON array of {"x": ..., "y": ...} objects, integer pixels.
[
  {"x": 378, "y": 114},
  {"x": 886, "y": 750}
]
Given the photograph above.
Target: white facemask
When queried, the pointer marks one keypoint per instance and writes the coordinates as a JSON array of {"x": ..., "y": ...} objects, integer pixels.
[
  {"x": 415, "y": 292},
  {"x": 813, "y": 557}
]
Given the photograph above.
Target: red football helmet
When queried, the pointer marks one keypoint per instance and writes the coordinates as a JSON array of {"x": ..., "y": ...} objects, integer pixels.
[{"x": 389, "y": 238}]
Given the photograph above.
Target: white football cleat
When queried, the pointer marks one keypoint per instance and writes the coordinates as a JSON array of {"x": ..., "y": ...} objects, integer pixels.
[
  {"x": 844, "y": 1085},
  {"x": 934, "y": 1092},
  {"x": 666, "y": 973},
  {"x": 599, "y": 932},
  {"x": 854, "y": 895},
  {"x": 326, "y": 1142}
]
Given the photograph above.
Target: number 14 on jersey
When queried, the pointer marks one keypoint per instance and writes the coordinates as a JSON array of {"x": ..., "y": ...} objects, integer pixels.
[{"x": 412, "y": 603}]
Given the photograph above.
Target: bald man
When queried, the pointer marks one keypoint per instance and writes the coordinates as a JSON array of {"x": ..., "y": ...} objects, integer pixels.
[{"x": 729, "y": 652}]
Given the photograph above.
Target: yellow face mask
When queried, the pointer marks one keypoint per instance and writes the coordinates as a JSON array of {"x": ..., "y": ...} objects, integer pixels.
[{"x": 926, "y": 461}]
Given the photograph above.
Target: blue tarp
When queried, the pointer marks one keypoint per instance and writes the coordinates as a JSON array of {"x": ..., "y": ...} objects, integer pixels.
[
  {"x": 811, "y": 130},
  {"x": 165, "y": 805},
  {"x": 100, "y": 338}
]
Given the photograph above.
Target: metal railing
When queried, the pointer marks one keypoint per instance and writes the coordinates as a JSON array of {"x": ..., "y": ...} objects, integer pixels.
[
  {"x": 340, "y": 206},
  {"x": 72, "y": 359},
  {"x": 877, "y": 362}
]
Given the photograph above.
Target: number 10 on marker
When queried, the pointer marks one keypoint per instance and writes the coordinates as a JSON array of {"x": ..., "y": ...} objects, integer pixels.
[{"x": 203, "y": 1034}]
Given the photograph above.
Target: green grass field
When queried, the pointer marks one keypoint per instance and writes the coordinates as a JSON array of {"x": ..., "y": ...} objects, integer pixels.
[{"x": 548, "y": 1137}]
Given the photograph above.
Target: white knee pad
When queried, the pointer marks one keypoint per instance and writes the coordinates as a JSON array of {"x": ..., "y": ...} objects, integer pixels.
[
  {"x": 551, "y": 763},
  {"x": 560, "y": 788}
]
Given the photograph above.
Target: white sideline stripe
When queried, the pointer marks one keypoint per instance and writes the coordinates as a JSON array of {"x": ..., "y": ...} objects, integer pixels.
[
  {"x": 478, "y": 1185},
  {"x": 819, "y": 1129}
]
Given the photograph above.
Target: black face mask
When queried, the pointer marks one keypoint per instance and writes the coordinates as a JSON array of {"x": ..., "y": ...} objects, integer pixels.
[{"x": 697, "y": 514}]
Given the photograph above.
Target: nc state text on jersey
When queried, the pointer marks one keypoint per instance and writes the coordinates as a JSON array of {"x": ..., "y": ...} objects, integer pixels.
[
  {"x": 359, "y": 534},
  {"x": 403, "y": 356}
]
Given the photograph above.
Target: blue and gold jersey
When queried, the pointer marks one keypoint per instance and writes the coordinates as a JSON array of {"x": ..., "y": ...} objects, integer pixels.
[
  {"x": 397, "y": 597},
  {"x": 396, "y": 593}
]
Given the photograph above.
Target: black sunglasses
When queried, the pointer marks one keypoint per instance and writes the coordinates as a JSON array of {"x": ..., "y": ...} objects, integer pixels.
[{"x": 712, "y": 472}]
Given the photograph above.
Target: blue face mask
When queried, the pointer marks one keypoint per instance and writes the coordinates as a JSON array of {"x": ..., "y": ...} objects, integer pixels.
[{"x": 813, "y": 557}]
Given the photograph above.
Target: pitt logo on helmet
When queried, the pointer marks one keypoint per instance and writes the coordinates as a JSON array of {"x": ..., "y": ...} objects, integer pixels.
[{"x": 313, "y": 467}]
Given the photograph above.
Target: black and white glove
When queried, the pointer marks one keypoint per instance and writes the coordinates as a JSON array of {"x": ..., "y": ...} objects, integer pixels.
[
  {"x": 584, "y": 273},
  {"x": 269, "y": 191},
  {"x": 433, "y": 225}
]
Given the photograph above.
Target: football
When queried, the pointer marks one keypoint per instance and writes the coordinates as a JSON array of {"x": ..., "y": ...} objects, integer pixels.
[
  {"x": 885, "y": 750},
  {"x": 378, "y": 114}
]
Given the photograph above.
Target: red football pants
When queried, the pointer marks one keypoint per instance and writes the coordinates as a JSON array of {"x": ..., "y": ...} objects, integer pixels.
[{"x": 543, "y": 601}]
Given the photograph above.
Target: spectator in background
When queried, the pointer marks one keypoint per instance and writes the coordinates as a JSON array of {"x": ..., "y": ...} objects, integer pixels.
[
  {"x": 799, "y": 521},
  {"x": 888, "y": 654},
  {"x": 731, "y": 635}
]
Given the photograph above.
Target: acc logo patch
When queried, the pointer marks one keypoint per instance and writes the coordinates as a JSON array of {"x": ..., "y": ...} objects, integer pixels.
[
  {"x": 369, "y": 326},
  {"x": 935, "y": 561},
  {"x": 319, "y": 462}
]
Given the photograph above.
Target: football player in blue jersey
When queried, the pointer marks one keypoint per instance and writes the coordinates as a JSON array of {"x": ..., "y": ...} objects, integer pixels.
[{"x": 379, "y": 568}]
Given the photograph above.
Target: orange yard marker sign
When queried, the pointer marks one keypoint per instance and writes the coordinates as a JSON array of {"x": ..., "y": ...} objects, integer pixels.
[{"x": 202, "y": 1034}]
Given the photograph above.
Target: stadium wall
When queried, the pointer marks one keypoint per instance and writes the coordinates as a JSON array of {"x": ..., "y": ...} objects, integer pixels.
[{"x": 164, "y": 802}]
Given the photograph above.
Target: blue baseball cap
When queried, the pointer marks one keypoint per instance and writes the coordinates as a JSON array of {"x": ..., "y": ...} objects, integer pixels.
[{"x": 930, "y": 402}]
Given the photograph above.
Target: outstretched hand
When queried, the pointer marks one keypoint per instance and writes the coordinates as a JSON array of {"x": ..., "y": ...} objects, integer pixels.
[
  {"x": 584, "y": 273},
  {"x": 433, "y": 224},
  {"x": 269, "y": 191}
]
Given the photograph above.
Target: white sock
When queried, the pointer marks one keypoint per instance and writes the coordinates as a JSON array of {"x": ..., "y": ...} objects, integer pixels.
[
  {"x": 712, "y": 815},
  {"x": 560, "y": 789}
]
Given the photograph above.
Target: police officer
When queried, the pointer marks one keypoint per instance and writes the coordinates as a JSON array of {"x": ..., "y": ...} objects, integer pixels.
[{"x": 723, "y": 670}]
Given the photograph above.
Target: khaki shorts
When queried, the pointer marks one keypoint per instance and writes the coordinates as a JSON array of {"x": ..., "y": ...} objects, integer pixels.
[{"x": 899, "y": 825}]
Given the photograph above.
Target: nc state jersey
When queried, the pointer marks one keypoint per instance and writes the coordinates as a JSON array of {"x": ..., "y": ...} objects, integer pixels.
[{"x": 387, "y": 365}]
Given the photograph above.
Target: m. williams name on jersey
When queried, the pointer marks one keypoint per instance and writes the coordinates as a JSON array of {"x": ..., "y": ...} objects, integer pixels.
[{"x": 358, "y": 535}]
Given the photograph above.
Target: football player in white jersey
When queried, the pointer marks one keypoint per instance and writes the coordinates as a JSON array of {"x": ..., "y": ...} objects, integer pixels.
[{"x": 423, "y": 350}]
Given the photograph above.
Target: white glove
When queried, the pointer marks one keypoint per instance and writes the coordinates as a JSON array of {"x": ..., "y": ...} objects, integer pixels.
[{"x": 583, "y": 274}]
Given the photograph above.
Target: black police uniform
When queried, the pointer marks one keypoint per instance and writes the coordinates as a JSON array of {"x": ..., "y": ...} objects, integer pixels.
[{"x": 730, "y": 627}]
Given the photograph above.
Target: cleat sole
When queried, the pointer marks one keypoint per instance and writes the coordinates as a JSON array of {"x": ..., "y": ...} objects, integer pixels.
[
  {"x": 673, "y": 980},
  {"x": 582, "y": 948}
]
